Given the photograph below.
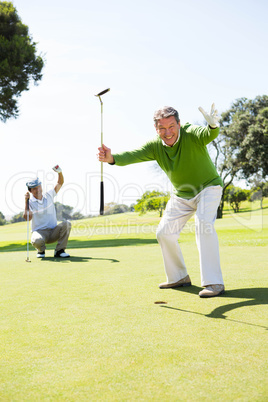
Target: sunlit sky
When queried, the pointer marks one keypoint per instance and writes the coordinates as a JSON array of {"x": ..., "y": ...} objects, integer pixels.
[{"x": 150, "y": 53}]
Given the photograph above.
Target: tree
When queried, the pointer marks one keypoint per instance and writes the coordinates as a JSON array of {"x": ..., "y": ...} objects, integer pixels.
[
  {"x": 259, "y": 190},
  {"x": 119, "y": 209},
  {"x": 77, "y": 215},
  {"x": 19, "y": 64},
  {"x": 242, "y": 146},
  {"x": 63, "y": 212},
  {"x": 112, "y": 208},
  {"x": 2, "y": 219},
  {"x": 17, "y": 218},
  {"x": 152, "y": 201},
  {"x": 235, "y": 195}
]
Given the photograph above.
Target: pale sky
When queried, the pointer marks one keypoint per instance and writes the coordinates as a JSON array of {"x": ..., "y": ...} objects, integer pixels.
[{"x": 150, "y": 53}]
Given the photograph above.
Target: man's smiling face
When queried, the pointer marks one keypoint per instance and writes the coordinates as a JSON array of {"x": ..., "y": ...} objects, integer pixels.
[
  {"x": 37, "y": 192},
  {"x": 168, "y": 130}
]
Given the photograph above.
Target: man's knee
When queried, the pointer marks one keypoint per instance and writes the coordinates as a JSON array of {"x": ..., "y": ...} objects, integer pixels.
[
  {"x": 204, "y": 226},
  {"x": 160, "y": 233},
  {"x": 66, "y": 225},
  {"x": 37, "y": 242},
  {"x": 165, "y": 231},
  {"x": 169, "y": 231}
]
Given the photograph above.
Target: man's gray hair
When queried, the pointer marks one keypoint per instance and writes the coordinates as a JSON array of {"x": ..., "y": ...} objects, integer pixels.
[{"x": 164, "y": 112}]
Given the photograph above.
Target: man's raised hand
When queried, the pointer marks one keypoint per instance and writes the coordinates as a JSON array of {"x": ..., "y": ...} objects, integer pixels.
[
  {"x": 57, "y": 169},
  {"x": 212, "y": 118}
]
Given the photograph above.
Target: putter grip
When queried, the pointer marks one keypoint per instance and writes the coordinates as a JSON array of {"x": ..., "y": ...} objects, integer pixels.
[
  {"x": 27, "y": 205},
  {"x": 101, "y": 197}
]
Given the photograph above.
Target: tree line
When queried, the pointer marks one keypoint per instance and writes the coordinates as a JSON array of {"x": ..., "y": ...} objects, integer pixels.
[
  {"x": 156, "y": 201},
  {"x": 153, "y": 201},
  {"x": 65, "y": 212}
]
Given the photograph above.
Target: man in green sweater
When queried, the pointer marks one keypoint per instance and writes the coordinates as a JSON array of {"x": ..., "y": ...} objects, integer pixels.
[{"x": 182, "y": 154}]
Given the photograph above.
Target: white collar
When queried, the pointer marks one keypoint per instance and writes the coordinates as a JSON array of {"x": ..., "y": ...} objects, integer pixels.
[{"x": 33, "y": 199}]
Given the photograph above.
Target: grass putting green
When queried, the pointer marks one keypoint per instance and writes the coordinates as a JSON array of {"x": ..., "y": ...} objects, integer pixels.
[{"x": 88, "y": 328}]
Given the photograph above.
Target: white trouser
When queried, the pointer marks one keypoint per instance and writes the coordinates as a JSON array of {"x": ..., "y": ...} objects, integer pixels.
[{"x": 178, "y": 212}]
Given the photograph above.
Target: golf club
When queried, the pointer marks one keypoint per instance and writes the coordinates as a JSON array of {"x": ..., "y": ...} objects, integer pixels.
[
  {"x": 101, "y": 183},
  {"x": 28, "y": 258}
]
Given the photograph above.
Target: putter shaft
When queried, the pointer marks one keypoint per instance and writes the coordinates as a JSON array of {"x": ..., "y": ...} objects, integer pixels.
[
  {"x": 101, "y": 183},
  {"x": 28, "y": 259}
]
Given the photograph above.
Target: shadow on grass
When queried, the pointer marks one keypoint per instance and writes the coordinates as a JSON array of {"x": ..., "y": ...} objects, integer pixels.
[
  {"x": 255, "y": 296},
  {"x": 77, "y": 259},
  {"x": 117, "y": 242},
  {"x": 242, "y": 210}
]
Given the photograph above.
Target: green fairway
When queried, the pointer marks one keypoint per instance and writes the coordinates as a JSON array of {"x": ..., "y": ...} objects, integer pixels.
[{"x": 88, "y": 328}]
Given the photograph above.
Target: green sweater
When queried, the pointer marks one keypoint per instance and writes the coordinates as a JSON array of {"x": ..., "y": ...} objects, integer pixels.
[{"x": 187, "y": 163}]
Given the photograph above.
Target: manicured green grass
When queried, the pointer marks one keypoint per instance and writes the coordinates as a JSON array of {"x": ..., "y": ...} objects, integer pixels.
[{"x": 88, "y": 328}]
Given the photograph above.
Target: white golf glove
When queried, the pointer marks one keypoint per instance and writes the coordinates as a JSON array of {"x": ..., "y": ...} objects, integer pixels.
[
  {"x": 212, "y": 118},
  {"x": 57, "y": 169}
]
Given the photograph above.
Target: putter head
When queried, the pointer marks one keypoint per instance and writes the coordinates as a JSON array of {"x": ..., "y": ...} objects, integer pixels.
[
  {"x": 103, "y": 92},
  {"x": 28, "y": 259}
]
